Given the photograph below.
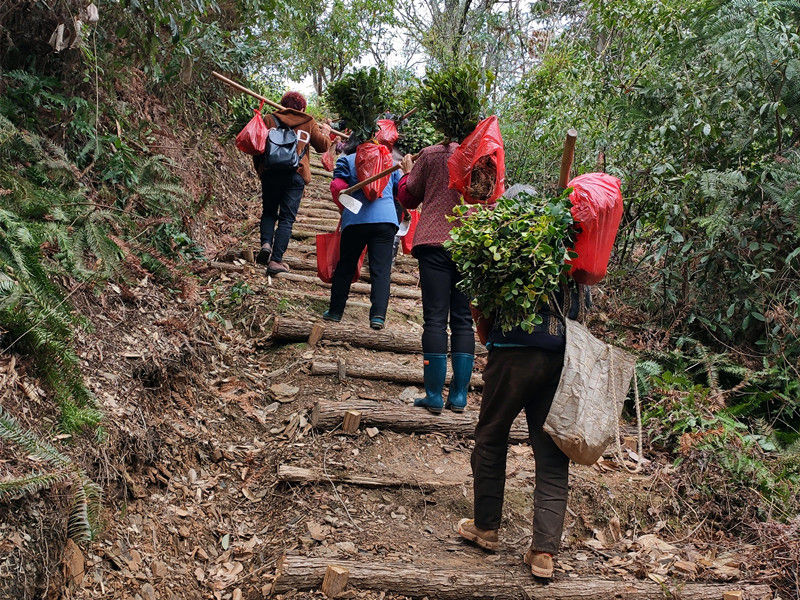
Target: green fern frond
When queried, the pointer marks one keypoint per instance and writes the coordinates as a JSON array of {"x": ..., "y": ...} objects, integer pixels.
[
  {"x": 12, "y": 431},
  {"x": 31, "y": 483},
  {"x": 86, "y": 495}
]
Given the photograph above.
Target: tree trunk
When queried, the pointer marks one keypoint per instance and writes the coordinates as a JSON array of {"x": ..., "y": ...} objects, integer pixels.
[
  {"x": 355, "y": 288},
  {"x": 383, "y": 371},
  {"x": 290, "y": 330},
  {"x": 452, "y": 582},
  {"x": 305, "y": 476},
  {"x": 404, "y": 418}
]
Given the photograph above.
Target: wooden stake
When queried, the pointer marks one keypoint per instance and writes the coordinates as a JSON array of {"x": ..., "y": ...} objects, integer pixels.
[
  {"x": 275, "y": 105},
  {"x": 247, "y": 254},
  {"x": 567, "y": 158},
  {"x": 341, "y": 369},
  {"x": 733, "y": 595},
  {"x": 317, "y": 331},
  {"x": 335, "y": 581},
  {"x": 352, "y": 418}
]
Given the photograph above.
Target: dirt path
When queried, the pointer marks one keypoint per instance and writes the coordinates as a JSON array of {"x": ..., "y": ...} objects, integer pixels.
[{"x": 205, "y": 410}]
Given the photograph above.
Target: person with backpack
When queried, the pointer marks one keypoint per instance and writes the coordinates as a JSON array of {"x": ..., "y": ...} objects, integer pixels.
[
  {"x": 284, "y": 171},
  {"x": 523, "y": 372}
]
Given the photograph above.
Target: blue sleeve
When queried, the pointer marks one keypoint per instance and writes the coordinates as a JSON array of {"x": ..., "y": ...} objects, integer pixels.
[
  {"x": 342, "y": 170},
  {"x": 396, "y": 177}
]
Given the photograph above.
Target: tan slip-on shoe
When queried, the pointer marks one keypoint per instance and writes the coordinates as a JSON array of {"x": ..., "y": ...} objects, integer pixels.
[
  {"x": 485, "y": 538},
  {"x": 541, "y": 563}
]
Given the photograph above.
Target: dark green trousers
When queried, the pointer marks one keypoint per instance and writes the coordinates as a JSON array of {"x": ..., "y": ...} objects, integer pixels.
[{"x": 517, "y": 379}]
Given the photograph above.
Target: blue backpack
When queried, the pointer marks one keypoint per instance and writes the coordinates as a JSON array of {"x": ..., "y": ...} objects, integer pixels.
[{"x": 280, "y": 153}]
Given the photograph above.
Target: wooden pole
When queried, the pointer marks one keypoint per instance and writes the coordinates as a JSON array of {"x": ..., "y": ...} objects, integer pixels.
[
  {"x": 258, "y": 96},
  {"x": 567, "y": 158}
]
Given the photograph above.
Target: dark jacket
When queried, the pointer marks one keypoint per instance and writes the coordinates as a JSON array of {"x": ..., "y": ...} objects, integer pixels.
[
  {"x": 299, "y": 121},
  {"x": 550, "y": 333}
]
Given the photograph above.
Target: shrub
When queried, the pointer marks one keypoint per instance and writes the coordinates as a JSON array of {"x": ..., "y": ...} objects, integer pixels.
[
  {"x": 513, "y": 256},
  {"x": 453, "y": 97}
]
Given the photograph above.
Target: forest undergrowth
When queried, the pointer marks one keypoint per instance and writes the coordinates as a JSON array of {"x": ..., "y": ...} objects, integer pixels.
[{"x": 98, "y": 192}]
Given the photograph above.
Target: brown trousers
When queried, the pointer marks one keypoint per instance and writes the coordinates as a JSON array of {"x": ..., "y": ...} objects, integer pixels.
[{"x": 516, "y": 379}]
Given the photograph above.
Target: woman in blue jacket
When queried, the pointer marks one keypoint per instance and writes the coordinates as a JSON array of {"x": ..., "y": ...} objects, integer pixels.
[{"x": 374, "y": 227}]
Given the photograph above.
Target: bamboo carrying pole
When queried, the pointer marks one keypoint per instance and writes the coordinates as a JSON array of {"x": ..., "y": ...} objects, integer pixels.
[
  {"x": 245, "y": 90},
  {"x": 567, "y": 158}
]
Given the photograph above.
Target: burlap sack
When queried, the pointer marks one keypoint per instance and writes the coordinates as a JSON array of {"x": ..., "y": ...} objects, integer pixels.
[{"x": 584, "y": 418}]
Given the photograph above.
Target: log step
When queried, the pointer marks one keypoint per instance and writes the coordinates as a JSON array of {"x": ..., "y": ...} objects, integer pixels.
[
  {"x": 383, "y": 371},
  {"x": 331, "y": 224},
  {"x": 320, "y": 213},
  {"x": 404, "y": 418},
  {"x": 285, "y": 329},
  {"x": 447, "y": 581},
  {"x": 305, "y": 476},
  {"x": 307, "y": 264},
  {"x": 358, "y": 288},
  {"x": 302, "y": 248}
]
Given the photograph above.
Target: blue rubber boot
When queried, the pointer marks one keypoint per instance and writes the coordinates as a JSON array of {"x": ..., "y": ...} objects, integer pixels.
[
  {"x": 459, "y": 384},
  {"x": 435, "y": 371}
]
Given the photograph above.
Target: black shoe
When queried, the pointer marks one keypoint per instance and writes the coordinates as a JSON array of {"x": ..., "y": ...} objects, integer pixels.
[
  {"x": 329, "y": 316},
  {"x": 264, "y": 255}
]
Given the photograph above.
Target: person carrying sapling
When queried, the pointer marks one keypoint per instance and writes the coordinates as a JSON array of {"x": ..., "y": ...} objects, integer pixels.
[
  {"x": 526, "y": 355},
  {"x": 376, "y": 223},
  {"x": 452, "y": 97}
]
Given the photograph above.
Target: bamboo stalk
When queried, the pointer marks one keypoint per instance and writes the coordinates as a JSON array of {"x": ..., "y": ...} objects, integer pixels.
[{"x": 258, "y": 96}]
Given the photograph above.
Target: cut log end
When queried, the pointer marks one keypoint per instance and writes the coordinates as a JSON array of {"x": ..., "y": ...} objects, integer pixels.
[
  {"x": 335, "y": 581},
  {"x": 317, "y": 331},
  {"x": 351, "y": 421}
]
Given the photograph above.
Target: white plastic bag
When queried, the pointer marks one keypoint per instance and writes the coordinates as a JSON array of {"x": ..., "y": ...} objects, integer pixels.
[{"x": 584, "y": 417}]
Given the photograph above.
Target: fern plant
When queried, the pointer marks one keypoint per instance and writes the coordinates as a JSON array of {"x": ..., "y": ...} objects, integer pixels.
[
  {"x": 86, "y": 494},
  {"x": 41, "y": 211}
]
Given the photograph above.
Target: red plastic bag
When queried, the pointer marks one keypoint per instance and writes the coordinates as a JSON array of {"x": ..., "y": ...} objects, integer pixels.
[
  {"x": 597, "y": 209},
  {"x": 387, "y": 133},
  {"x": 482, "y": 154},
  {"x": 407, "y": 241},
  {"x": 328, "y": 256},
  {"x": 253, "y": 138},
  {"x": 371, "y": 159},
  {"x": 329, "y": 158}
]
